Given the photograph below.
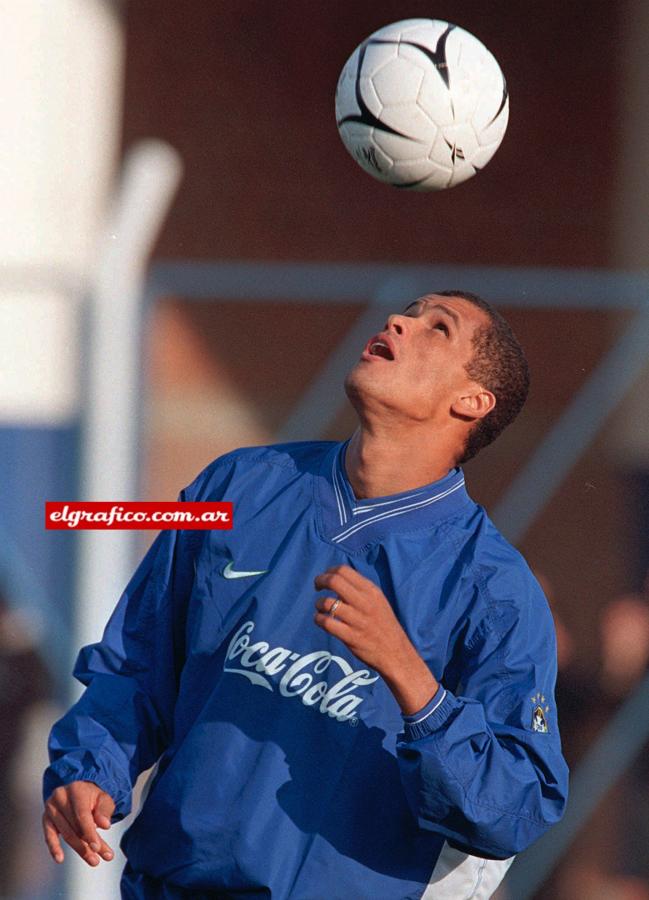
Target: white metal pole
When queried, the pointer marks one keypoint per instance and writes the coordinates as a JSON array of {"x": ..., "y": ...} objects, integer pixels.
[{"x": 112, "y": 362}]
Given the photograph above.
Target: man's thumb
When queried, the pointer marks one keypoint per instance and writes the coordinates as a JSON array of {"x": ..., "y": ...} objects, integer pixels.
[{"x": 104, "y": 810}]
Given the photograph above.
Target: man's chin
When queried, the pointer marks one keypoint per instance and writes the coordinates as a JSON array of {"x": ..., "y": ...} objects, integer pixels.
[
  {"x": 361, "y": 385},
  {"x": 356, "y": 380}
]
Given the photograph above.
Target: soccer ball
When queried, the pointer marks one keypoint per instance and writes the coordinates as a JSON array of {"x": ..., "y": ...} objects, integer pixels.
[{"x": 422, "y": 104}]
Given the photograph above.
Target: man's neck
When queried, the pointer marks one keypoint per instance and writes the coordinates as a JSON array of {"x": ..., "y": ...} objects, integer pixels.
[{"x": 377, "y": 465}]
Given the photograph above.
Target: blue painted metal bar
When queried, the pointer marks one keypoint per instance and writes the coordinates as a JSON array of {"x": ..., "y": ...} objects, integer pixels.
[{"x": 352, "y": 282}]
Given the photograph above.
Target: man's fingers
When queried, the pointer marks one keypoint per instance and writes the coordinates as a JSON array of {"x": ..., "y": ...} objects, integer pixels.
[
  {"x": 342, "y": 611},
  {"x": 335, "y": 627},
  {"x": 90, "y": 836},
  {"x": 83, "y": 800},
  {"x": 74, "y": 811},
  {"x": 86, "y": 829},
  {"x": 52, "y": 840},
  {"x": 85, "y": 826},
  {"x": 63, "y": 827},
  {"x": 104, "y": 810},
  {"x": 105, "y": 850},
  {"x": 353, "y": 577},
  {"x": 352, "y": 592}
]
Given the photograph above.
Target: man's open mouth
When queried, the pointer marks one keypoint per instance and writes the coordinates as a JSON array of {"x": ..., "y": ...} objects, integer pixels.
[{"x": 379, "y": 347}]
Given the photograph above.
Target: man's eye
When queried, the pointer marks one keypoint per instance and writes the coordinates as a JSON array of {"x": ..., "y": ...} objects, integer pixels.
[{"x": 442, "y": 327}]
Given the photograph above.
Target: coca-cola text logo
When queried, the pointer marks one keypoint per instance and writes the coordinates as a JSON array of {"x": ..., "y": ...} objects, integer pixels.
[{"x": 260, "y": 663}]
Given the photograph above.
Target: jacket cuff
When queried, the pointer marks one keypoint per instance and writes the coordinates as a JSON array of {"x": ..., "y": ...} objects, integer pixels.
[
  {"x": 430, "y": 717},
  {"x": 57, "y": 775}
]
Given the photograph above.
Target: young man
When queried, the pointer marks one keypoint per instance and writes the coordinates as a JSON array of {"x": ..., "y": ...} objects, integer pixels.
[{"x": 344, "y": 692}]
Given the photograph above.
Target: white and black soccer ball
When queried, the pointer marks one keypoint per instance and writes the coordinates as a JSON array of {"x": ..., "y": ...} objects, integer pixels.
[{"x": 422, "y": 104}]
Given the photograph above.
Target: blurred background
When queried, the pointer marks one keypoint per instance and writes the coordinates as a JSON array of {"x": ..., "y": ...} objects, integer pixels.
[{"x": 164, "y": 302}]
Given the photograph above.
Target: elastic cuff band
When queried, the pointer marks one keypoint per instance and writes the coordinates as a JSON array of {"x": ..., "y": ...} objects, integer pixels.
[
  {"x": 431, "y": 718},
  {"x": 431, "y": 706},
  {"x": 57, "y": 776}
]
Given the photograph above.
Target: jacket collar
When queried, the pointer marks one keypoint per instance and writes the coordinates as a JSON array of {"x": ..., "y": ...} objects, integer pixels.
[{"x": 352, "y": 523}]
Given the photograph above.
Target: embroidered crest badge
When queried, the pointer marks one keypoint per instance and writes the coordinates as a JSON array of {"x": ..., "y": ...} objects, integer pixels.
[{"x": 540, "y": 714}]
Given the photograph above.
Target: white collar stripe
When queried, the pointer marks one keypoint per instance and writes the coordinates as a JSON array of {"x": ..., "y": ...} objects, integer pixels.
[
  {"x": 339, "y": 484},
  {"x": 397, "y": 512},
  {"x": 361, "y": 509},
  {"x": 341, "y": 493},
  {"x": 339, "y": 499}
]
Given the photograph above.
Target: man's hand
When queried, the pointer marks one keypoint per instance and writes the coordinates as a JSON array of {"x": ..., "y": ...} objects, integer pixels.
[
  {"x": 365, "y": 622},
  {"x": 74, "y": 811}
]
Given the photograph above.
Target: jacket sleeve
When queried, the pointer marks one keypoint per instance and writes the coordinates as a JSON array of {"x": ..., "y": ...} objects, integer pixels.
[
  {"x": 483, "y": 765},
  {"x": 124, "y": 719}
]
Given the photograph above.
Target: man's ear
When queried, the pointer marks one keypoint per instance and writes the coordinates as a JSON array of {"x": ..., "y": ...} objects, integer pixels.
[{"x": 474, "y": 404}]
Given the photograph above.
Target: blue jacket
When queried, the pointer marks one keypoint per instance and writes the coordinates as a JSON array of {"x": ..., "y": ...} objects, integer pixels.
[{"x": 285, "y": 767}]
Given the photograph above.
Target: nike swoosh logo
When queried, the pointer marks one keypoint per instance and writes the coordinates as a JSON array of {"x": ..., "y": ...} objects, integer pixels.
[{"x": 229, "y": 572}]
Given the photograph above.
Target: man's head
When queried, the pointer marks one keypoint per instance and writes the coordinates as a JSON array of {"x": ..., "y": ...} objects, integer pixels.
[
  {"x": 449, "y": 361},
  {"x": 499, "y": 364}
]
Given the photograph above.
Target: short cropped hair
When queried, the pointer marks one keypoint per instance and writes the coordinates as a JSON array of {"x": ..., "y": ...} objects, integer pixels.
[{"x": 500, "y": 366}]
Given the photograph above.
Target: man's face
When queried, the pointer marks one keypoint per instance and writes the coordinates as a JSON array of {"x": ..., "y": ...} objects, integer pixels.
[{"x": 416, "y": 366}]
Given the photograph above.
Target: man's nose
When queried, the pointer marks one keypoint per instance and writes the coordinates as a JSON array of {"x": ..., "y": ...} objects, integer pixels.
[{"x": 396, "y": 322}]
